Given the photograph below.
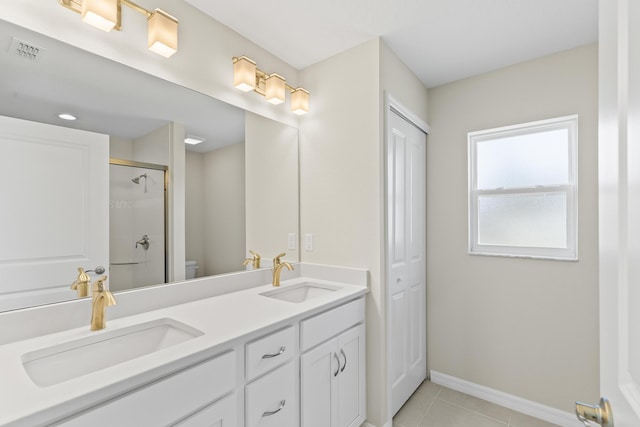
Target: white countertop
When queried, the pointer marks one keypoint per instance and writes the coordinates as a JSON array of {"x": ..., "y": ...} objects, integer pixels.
[{"x": 224, "y": 320}]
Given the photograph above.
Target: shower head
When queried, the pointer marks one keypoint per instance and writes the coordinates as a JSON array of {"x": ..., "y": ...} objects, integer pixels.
[{"x": 136, "y": 180}]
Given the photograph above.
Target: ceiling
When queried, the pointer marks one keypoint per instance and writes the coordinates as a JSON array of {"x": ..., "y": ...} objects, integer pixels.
[{"x": 439, "y": 40}]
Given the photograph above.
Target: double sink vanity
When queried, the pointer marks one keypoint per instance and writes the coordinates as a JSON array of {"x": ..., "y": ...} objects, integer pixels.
[{"x": 292, "y": 355}]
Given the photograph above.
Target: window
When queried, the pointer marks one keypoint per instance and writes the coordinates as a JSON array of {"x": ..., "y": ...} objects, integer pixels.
[{"x": 522, "y": 190}]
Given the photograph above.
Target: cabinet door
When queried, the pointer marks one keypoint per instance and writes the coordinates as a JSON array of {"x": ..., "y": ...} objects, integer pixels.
[
  {"x": 351, "y": 405},
  {"x": 318, "y": 390},
  {"x": 219, "y": 414}
]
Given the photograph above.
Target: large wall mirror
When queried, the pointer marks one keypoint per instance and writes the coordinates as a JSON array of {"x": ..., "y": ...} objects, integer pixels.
[{"x": 237, "y": 191}]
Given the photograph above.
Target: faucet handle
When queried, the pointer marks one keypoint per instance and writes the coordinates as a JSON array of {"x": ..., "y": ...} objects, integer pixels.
[
  {"x": 255, "y": 260},
  {"x": 81, "y": 285},
  {"x": 98, "y": 285},
  {"x": 277, "y": 260}
]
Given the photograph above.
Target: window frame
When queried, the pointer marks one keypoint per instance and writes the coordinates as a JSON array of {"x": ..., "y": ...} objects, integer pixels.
[{"x": 570, "y": 253}]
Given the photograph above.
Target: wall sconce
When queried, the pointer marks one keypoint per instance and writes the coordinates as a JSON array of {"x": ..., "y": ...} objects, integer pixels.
[
  {"x": 106, "y": 15},
  {"x": 247, "y": 77}
]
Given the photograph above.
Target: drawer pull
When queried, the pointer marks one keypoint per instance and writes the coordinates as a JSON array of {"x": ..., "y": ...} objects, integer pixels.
[
  {"x": 269, "y": 356},
  {"x": 270, "y": 413},
  {"x": 345, "y": 360},
  {"x": 335, "y": 374}
]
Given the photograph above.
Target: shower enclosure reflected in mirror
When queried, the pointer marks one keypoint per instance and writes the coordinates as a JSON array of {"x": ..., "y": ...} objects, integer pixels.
[{"x": 137, "y": 224}]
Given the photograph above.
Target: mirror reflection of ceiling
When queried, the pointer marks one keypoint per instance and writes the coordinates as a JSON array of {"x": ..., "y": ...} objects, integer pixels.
[{"x": 106, "y": 97}]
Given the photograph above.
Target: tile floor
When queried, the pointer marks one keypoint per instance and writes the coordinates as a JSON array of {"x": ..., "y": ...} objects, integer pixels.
[{"x": 435, "y": 406}]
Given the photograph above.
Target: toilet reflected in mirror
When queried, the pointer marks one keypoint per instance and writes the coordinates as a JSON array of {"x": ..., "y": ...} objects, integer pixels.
[{"x": 191, "y": 269}]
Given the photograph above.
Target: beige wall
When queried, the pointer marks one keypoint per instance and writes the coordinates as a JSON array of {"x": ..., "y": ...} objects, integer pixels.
[
  {"x": 400, "y": 82},
  {"x": 215, "y": 209},
  {"x": 341, "y": 170},
  {"x": 525, "y": 327},
  {"x": 224, "y": 209},
  {"x": 120, "y": 148},
  {"x": 340, "y": 185},
  {"x": 272, "y": 202},
  {"x": 194, "y": 210}
]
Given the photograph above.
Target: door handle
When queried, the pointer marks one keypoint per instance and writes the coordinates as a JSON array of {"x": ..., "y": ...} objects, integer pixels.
[
  {"x": 601, "y": 414},
  {"x": 335, "y": 374},
  {"x": 98, "y": 270},
  {"x": 345, "y": 360}
]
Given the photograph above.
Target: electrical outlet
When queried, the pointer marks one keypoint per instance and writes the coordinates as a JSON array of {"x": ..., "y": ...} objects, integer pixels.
[
  {"x": 291, "y": 240},
  {"x": 308, "y": 242}
]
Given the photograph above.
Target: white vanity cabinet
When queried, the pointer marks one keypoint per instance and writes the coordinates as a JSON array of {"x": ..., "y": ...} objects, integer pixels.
[
  {"x": 303, "y": 371},
  {"x": 332, "y": 374},
  {"x": 222, "y": 413},
  {"x": 168, "y": 400}
]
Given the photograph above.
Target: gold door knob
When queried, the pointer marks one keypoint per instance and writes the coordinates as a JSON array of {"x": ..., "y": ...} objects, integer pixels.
[{"x": 601, "y": 414}]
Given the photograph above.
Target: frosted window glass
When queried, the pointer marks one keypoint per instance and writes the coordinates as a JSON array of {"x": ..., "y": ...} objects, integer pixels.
[
  {"x": 536, "y": 220},
  {"x": 540, "y": 158}
]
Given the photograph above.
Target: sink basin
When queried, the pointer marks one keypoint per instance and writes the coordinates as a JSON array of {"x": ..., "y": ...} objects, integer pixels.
[
  {"x": 62, "y": 362},
  {"x": 301, "y": 292}
]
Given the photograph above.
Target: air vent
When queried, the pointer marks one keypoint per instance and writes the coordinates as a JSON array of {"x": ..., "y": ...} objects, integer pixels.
[{"x": 25, "y": 49}]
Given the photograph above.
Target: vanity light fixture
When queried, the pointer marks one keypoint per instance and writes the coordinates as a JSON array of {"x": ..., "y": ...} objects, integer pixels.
[
  {"x": 102, "y": 14},
  {"x": 244, "y": 74},
  {"x": 300, "y": 101},
  {"x": 162, "y": 28},
  {"x": 247, "y": 77},
  {"x": 274, "y": 89}
]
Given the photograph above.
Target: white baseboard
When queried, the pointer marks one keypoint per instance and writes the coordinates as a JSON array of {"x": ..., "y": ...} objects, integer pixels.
[{"x": 534, "y": 409}]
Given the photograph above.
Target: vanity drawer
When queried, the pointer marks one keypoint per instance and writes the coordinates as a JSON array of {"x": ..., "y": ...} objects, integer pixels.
[
  {"x": 272, "y": 401},
  {"x": 219, "y": 414},
  {"x": 166, "y": 400},
  {"x": 269, "y": 352},
  {"x": 325, "y": 325}
]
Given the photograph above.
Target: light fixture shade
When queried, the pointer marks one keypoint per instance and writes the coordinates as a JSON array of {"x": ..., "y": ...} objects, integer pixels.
[
  {"x": 244, "y": 74},
  {"x": 162, "y": 33},
  {"x": 274, "y": 89},
  {"x": 102, "y": 14},
  {"x": 300, "y": 101}
]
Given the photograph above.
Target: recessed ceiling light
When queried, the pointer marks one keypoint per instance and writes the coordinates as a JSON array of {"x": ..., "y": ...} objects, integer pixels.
[
  {"x": 67, "y": 116},
  {"x": 193, "y": 140}
]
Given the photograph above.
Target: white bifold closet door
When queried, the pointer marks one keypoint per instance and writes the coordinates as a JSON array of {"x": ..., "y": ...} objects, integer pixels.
[{"x": 406, "y": 257}]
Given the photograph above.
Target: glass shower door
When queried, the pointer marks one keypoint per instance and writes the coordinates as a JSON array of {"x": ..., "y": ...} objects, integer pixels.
[{"x": 137, "y": 220}]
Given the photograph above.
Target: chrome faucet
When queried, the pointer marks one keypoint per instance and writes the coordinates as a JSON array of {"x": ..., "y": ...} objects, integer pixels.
[
  {"x": 277, "y": 268},
  {"x": 102, "y": 299},
  {"x": 255, "y": 260},
  {"x": 144, "y": 242}
]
